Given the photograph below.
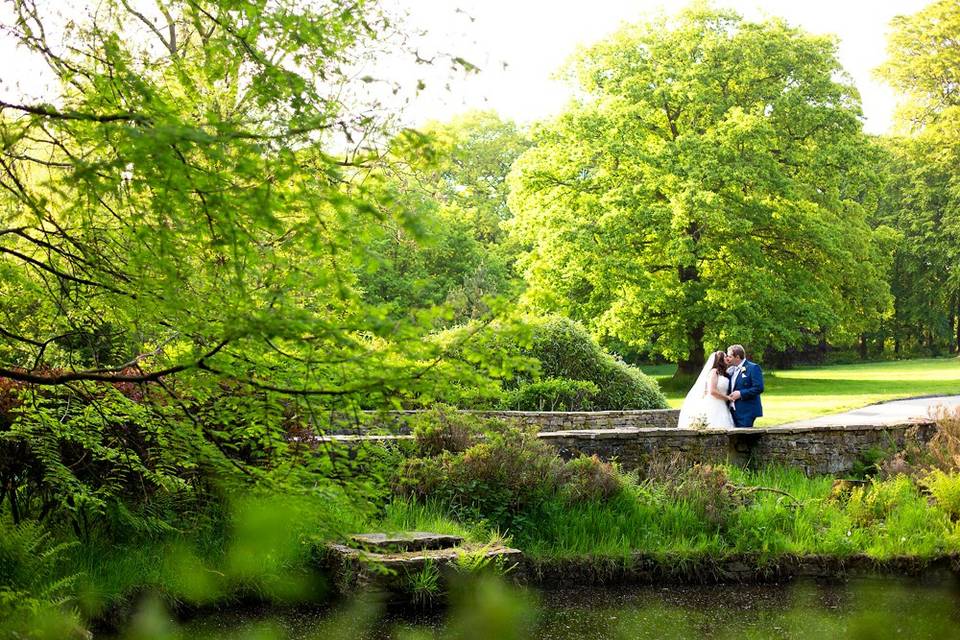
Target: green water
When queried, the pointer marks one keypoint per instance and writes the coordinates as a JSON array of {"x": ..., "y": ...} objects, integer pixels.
[{"x": 863, "y": 609}]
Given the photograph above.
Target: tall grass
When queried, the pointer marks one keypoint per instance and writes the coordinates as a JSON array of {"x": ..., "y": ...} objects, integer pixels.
[
  {"x": 404, "y": 514},
  {"x": 885, "y": 519}
]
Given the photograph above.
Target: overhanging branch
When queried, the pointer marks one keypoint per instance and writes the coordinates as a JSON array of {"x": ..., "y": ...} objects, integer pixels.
[{"x": 107, "y": 375}]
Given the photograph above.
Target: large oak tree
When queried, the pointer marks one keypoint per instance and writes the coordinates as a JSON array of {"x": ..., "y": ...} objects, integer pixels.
[{"x": 710, "y": 184}]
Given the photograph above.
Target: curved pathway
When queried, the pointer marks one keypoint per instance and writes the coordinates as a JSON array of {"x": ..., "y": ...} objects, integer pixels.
[{"x": 893, "y": 412}]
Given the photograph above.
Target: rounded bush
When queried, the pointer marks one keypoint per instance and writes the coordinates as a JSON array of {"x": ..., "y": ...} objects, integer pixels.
[
  {"x": 552, "y": 394},
  {"x": 566, "y": 350},
  {"x": 545, "y": 363}
]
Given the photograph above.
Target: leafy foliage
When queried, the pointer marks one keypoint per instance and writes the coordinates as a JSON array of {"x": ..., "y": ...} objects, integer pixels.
[
  {"x": 34, "y": 593},
  {"x": 454, "y": 186},
  {"x": 945, "y": 489},
  {"x": 551, "y": 361},
  {"x": 923, "y": 200},
  {"x": 565, "y": 350},
  {"x": 505, "y": 480},
  {"x": 552, "y": 394},
  {"x": 443, "y": 428},
  {"x": 708, "y": 157}
]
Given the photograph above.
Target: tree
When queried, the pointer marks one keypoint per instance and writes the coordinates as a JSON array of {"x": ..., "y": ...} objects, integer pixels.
[
  {"x": 183, "y": 221},
  {"x": 924, "y": 65},
  {"x": 177, "y": 208},
  {"x": 475, "y": 152},
  {"x": 454, "y": 185},
  {"x": 917, "y": 205},
  {"x": 924, "y": 62},
  {"x": 710, "y": 184}
]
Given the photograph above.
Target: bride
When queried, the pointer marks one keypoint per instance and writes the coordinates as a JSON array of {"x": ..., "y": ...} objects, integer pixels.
[{"x": 707, "y": 403}]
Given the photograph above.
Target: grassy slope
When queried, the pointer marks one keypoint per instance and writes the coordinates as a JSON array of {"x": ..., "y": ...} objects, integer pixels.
[
  {"x": 809, "y": 392},
  {"x": 892, "y": 519}
]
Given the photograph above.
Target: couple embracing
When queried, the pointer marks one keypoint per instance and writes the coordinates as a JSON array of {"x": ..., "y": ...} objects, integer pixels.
[{"x": 726, "y": 394}]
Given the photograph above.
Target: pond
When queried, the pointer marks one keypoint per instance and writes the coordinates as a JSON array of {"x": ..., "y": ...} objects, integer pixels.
[{"x": 864, "y": 608}]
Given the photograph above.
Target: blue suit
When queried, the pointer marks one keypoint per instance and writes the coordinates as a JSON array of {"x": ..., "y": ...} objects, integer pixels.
[{"x": 750, "y": 385}]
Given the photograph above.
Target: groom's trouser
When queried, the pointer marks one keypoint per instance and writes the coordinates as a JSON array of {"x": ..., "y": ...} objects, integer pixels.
[{"x": 743, "y": 421}]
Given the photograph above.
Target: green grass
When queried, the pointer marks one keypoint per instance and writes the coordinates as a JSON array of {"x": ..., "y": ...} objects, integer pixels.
[
  {"x": 407, "y": 515},
  {"x": 808, "y": 392},
  {"x": 890, "y": 519}
]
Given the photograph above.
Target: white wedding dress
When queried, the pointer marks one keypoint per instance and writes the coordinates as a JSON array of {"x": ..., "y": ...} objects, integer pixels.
[{"x": 702, "y": 409}]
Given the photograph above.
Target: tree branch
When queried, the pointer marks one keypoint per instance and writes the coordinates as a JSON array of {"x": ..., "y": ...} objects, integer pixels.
[
  {"x": 105, "y": 375},
  {"x": 50, "y": 112}
]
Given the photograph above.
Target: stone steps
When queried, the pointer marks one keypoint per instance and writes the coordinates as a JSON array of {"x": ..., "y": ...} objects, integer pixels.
[
  {"x": 408, "y": 541},
  {"x": 416, "y": 560},
  {"x": 389, "y": 561}
]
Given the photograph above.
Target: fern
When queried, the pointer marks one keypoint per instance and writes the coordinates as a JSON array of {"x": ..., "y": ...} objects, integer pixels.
[
  {"x": 33, "y": 595},
  {"x": 28, "y": 561}
]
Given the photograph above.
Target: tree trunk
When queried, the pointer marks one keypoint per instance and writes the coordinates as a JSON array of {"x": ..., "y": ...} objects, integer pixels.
[
  {"x": 696, "y": 357},
  {"x": 14, "y": 507},
  {"x": 958, "y": 324},
  {"x": 863, "y": 347}
]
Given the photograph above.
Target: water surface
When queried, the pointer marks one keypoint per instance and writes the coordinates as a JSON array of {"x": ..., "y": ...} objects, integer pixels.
[{"x": 863, "y": 609}]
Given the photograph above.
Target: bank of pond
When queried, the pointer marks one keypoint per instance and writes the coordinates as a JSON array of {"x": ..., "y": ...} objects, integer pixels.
[
  {"x": 629, "y": 542},
  {"x": 776, "y": 530}
]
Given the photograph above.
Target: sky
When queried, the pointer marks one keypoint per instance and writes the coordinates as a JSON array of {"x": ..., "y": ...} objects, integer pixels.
[
  {"x": 535, "y": 37},
  {"x": 519, "y": 46}
]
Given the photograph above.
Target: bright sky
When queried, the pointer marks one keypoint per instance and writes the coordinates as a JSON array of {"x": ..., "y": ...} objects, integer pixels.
[{"x": 535, "y": 37}]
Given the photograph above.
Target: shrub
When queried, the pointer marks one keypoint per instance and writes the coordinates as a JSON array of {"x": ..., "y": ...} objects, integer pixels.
[
  {"x": 506, "y": 478},
  {"x": 444, "y": 428},
  {"x": 541, "y": 360},
  {"x": 708, "y": 490},
  {"x": 625, "y": 387},
  {"x": 945, "y": 489},
  {"x": 868, "y": 463},
  {"x": 872, "y": 504},
  {"x": 589, "y": 478},
  {"x": 942, "y": 452},
  {"x": 421, "y": 478},
  {"x": 552, "y": 394},
  {"x": 566, "y": 350},
  {"x": 944, "y": 447}
]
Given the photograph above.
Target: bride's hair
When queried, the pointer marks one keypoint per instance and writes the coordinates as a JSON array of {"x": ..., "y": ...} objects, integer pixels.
[{"x": 720, "y": 362}]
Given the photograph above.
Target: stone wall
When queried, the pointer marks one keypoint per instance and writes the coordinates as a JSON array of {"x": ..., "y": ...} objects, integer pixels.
[
  {"x": 549, "y": 421},
  {"x": 815, "y": 450},
  {"x": 397, "y": 422}
]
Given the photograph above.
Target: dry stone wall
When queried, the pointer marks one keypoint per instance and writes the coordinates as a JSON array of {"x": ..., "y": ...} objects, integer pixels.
[
  {"x": 611, "y": 435},
  {"x": 815, "y": 450},
  {"x": 397, "y": 422}
]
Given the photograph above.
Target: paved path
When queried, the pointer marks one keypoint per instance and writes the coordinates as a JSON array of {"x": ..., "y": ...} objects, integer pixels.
[{"x": 897, "y": 411}]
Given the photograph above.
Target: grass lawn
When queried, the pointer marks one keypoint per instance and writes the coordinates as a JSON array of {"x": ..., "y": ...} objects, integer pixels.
[{"x": 809, "y": 392}]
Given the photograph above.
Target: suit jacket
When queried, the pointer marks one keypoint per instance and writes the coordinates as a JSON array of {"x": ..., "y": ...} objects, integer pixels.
[{"x": 750, "y": 385}]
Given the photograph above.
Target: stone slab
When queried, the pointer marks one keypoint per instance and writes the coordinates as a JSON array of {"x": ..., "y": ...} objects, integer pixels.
[
  {"x": 415, "y": 560},
  {"x": 407, "y": 541}
]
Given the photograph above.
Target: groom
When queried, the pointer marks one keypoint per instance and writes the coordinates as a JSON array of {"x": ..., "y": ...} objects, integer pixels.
[{"x": 746, "y": 384}]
